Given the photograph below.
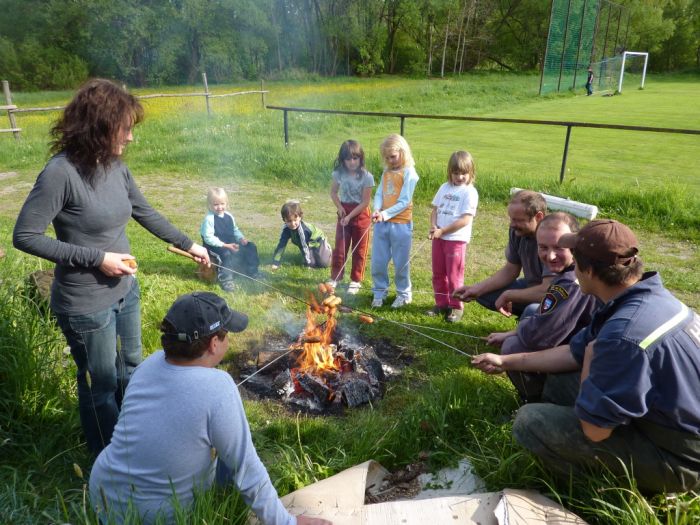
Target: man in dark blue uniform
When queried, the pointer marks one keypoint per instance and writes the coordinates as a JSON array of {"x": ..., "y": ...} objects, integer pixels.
[
  {"x": 563, "y": 311},
  {"x": 637, "y": 410}
]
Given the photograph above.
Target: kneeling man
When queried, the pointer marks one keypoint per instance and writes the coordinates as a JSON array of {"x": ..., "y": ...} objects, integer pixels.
[
  {"x": 638, "y": 404},
  {"x": 563, "y": 312}
]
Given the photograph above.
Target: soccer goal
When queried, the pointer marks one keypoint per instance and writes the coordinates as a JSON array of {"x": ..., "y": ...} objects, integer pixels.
[
  {"x": 610, "y": 73},
  {"x": 636, "y": 63}
]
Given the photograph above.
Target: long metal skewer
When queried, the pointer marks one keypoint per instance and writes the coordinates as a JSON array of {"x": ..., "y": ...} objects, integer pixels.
[
  {"x": 407, "y": 326},
  {"x": 265, "y": 366}
]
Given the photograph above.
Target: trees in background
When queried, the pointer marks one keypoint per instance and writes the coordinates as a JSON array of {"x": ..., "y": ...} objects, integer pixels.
[{"x": 58, "y": 43}]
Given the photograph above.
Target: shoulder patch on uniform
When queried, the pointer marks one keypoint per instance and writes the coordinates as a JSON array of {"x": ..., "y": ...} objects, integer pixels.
[
  {"x": 555, "y": 288},
  {"x": 549, "y": 301},
  {"x": 693, "y": 329}
]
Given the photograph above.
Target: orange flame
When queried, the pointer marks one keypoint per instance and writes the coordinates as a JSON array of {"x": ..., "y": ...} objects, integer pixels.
[{"x": 317, "y": 355}]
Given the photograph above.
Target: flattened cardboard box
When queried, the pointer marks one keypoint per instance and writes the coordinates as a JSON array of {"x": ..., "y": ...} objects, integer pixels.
[{"x": 341, "y": 499}]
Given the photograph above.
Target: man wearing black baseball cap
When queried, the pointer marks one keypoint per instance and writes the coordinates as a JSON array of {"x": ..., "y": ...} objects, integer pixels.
[
  {"x": 182, "y": 426},
  {"x": 637, "y": 408}
]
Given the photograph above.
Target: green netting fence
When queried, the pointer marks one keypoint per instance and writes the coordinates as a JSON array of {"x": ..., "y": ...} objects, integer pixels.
[{"x": 582, "y": 33}]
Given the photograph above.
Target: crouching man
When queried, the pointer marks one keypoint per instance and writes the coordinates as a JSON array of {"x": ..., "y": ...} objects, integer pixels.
[
  {"x": 182, "y": 426},
  {"x": 563, "y": 311},
  {"x": 638, "y": 403}
]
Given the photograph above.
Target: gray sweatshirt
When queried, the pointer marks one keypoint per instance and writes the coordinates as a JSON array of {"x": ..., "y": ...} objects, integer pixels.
[
  {"x": 172, "y": 419},
  {"x": 88, "y": 221}
]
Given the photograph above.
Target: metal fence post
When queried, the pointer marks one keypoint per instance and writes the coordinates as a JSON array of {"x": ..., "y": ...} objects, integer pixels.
[
  {"x": 566, "y": 153},
  {"x": 402, "y": 126},
  {"x": 10, "y": 114},
  {"x": 206, "y": 92},
  {"x": 286, "y": 130},
  {"x": 262, "y": 92}
]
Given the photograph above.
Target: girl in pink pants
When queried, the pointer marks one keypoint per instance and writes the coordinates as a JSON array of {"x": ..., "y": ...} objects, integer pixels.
[{"x": 454, "y": 207}]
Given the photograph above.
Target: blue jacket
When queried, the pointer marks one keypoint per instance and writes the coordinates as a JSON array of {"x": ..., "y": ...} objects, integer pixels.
[{"x": 646, "y": 360}]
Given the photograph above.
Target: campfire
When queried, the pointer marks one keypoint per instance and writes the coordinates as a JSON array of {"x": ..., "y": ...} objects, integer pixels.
[{"x": 322, "y": 371}]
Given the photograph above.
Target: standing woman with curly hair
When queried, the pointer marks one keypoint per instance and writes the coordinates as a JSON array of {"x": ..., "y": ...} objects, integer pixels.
[{"x": 88, "y": 194}]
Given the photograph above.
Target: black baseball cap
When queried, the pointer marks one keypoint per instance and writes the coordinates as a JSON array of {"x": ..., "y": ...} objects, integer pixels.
[{"x": 200, "y": 314}]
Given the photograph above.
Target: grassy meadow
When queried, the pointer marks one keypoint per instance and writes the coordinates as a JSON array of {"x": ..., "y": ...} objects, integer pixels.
[{"x": 439, "y": 407}]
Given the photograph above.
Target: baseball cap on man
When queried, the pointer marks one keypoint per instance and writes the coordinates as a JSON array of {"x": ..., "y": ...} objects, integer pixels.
[
  {"x": 606, "y": 241},
  {"x": 200, "y": 314}
]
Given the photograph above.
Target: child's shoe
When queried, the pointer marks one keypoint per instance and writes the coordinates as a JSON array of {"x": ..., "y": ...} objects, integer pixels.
[
  {"x": 436, "y": 311},
  {"x": 353, "y": 288},
  {"x": 377, "y": 302},
  {"x": 401, "y": 301},
  {"x": 454, "y": 315},
  {"x": 228, "y": 286}
]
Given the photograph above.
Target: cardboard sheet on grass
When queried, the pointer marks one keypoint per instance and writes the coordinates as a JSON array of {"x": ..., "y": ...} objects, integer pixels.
[{"x": 341, "y": 499}]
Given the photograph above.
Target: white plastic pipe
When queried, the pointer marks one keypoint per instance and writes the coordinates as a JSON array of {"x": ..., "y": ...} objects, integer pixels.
[{"x": 578, "y": 209}]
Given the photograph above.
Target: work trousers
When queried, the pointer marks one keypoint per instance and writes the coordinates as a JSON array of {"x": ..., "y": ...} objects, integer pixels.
[{"x": 659, "y": 459}]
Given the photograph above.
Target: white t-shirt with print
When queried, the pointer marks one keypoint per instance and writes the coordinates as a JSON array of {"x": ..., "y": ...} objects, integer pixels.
[{"x": 452, "y": 202}]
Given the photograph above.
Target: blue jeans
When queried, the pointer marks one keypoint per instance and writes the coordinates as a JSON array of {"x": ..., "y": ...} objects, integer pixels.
[
  {"x": 106, "y": 347},
  {"x": 488, "y": 300},
  {"x": 391, "y": 241}
]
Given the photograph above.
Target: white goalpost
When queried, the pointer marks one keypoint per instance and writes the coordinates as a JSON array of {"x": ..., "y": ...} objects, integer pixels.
[{"x": 622, "y": 67}]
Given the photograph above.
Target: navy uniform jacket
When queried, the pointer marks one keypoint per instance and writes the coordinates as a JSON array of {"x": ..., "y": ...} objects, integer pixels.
[
  {"x": 646, "y": 360},
  {"x": 564, "y": 311}
]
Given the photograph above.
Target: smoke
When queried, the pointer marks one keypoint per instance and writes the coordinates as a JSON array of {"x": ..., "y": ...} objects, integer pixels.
[{"x": 293, "y": 324}]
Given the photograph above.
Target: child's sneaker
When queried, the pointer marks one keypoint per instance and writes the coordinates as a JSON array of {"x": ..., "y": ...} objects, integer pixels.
[
  {"x": 377, "y": 302},
  {"x": 228, "y": 286},
  {"x": 454, "y": 315},
  {"x": 353, "y": 287},
  {"x": 401, "y": 301},
  {"x": 436, "y": 311}
]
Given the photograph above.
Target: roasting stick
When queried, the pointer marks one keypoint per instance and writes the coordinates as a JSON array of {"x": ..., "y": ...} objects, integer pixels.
[
  {"x": 409, "y": 327},
  {"x": 178, "y": 251},
  {"x": 265, "y": 366},
  {"x": 405, "y": 325}
]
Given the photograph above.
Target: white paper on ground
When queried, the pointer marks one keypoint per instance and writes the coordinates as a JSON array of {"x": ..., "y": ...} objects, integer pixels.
[{"x": 341, "y": 499}]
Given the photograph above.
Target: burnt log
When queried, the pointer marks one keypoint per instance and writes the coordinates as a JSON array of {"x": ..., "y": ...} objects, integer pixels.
[
  {"x": 356, "y": 392},
  {"x": 314, "y": 386},
  {"x": 372, "y": 365}
]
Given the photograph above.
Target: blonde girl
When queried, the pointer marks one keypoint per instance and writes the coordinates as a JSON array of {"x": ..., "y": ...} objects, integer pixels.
[
  {"x": 351, "y": 192},
  {"x": 454, "y": 207},
  {"x": 393, "y": 217}
]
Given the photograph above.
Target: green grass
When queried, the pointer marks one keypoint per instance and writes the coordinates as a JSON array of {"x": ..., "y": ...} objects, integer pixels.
[{"x": 439, "y": 407}]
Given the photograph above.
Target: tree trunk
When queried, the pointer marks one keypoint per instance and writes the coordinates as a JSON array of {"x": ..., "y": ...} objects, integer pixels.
[
  {"x": 470, "y": 14},
  {"x": 430, "y": 50},
  {"x": 444, "y": 47},
  {"x": 459, "y": 36}
]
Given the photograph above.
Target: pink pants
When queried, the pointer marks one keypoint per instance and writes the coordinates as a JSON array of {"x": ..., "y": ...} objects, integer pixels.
[{"x": 448, "y": 271}]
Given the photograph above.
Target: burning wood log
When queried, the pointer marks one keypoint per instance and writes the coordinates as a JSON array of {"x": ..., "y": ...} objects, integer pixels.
[{"x": 314, "y": 386}]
